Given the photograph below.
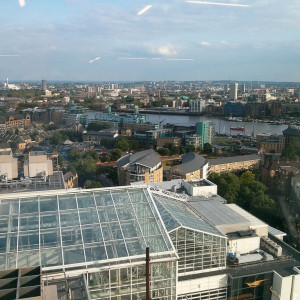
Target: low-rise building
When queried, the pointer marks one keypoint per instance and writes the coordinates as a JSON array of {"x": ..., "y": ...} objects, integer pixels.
[
  {"x": 271, "y": 144},
  {"x": 38, "y": 164},
  {"x": 162, "y": 141},
  {"x": 194, "y": 140},
  {"x": 143, "y": 166},
  {"x": 96, "y": 136},
  {"x": 234, "y": 163},
  {"x": 193, "y": 166},
  {"x": 8, "y": 165},
  {"x": 17, "y": 121}
]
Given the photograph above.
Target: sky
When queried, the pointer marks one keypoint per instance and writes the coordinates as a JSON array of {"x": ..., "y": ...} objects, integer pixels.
[{"x": 137, "y": 40}]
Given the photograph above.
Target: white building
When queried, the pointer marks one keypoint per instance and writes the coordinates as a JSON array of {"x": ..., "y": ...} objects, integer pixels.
[
  {"x": 38, "y": 164},
  {"x": 197, "y": 106},
  {"x": 233, "y": 91},
  {"x": 8, "y": 165}
]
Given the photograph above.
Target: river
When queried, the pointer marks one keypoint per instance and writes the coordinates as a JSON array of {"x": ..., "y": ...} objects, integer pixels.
[{"x": 221, "y": 125}]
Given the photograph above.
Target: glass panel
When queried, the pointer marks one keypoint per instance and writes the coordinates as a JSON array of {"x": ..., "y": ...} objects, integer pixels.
[
  {"x": 51, "y": 257},
  {"x": 137, "y": 196},
  {"x": 49, "y": 221},
  {"x": 12, "y": 246},
  {"x": 3, "y": 241},
  {"x": 4, "y": 211},
  {"x": 125, "y": 212},
  {"x": 48, "y": 204},
  {"x": 88, "y": 217},
  {"x": 71, "y": 236},
  {"x": 69, "y": 218},
  {"x": 29, "y": 223},
  {"x": 85, "y": 200},
  {"x": 73, "y": 255},
  {"x": 50, "y": 238},
  {"x": 92, "y": 234},
  {"x": 29, "y": 241},
  {"x": 103, "y": 199},
  {"x": 67, "y": 202},
  {"x": 120, "y": 198},
  {"x": 110, "y": 215},
  {"x": 131, "y": 229},
  {"x": 28, "y": 258},
  {"x": 4, "y": 224},
  {"x": 136, "y": 246},
  {"x": 30, "y": 206},
  {"x": 95, "y": 252},
  {"x": 121, "y": 249}
]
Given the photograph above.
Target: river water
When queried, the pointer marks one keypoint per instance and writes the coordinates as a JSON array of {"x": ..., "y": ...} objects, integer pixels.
[{"x": 221, "y": 125}]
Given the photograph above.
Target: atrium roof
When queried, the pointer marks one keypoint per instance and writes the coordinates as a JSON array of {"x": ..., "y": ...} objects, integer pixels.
[
  {"x": 176, "y": 213},
  {"x": 82, "y": 228}
]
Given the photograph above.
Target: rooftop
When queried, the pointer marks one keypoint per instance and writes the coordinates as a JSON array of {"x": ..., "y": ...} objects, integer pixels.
[
  {"x": 191, "y": 162},
  {"x": 147, "y": 158},
  {"x": 232, "y": 159}
]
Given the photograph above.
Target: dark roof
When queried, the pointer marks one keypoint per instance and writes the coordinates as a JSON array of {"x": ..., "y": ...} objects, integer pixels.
[
  {"x": 232, "y": 159},
  {"x": 68, "y": 175},
  {"x": 191, "y": 162},
  {"x": 291, "y": 131},
  {"x": 147, "y": 158}
]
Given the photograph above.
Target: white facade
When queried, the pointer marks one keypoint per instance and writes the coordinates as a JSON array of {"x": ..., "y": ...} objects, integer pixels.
[
  {"x": 197, "y": 106},
  {"x": 233, "y": 91},
  {"x": 244, "y": 245},
  {"x": 8, "y": 165},
  {"x": 195, "y": 189},
  {"x": 38, "y": 164}
]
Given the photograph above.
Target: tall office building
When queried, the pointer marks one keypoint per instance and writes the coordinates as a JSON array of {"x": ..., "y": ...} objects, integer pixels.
[
  {"x": 243, "y": 89},
  {"x": 233, "y": 91},
  {"x": 226, "y": 88},
  {"x": 44, "y": 85},
  {"x": 206, "y": 131}
]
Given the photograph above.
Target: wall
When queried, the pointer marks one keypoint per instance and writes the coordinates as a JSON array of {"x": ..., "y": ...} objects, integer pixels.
[
  {"x": 200, "y": 190},
  {"x": 201, "y": 284},
  {"x": 281, "y": 287},
  {"x": 244, "y": 245}
]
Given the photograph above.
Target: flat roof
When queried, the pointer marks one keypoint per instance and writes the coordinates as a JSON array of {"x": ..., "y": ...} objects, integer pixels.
[{"x": 218, "y": 213}]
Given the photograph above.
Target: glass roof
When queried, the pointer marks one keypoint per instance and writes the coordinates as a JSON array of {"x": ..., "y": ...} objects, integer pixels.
[
  {"x": 176, "y": 213},
  {"x": 82, "y": 227}
]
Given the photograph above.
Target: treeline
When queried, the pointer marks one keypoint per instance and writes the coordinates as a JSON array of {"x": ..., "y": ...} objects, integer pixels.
[
  {"x": 249, "y": 193},
  {"x": 22, "y": 93},
  {"x": 59, "y": 137},
  {"x": 170, "y": 149}
]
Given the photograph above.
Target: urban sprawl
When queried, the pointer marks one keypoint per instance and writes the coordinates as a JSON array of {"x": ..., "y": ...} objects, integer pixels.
[{"x": 168, "y": 190}]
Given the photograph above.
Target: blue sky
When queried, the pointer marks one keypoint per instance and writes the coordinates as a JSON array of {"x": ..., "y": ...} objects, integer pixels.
[{"x": 56, "y": 39}]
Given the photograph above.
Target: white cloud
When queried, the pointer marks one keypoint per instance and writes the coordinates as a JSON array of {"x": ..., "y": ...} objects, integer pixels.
[
  {"x": 144, "y": 10},
  {"x": 22, "y": 3},
  {"x": 165, "y": 50},
  {"x": 205, "y": 44}
]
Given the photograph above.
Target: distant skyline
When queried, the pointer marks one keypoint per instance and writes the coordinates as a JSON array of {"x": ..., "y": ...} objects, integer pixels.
[{"x": 137, "y": 40}]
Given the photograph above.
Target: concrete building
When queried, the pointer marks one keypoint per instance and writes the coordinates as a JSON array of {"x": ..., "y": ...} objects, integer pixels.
[
  {"x": 193, "y": 140},
  {"x": 233, "y": 91},
  {"x": 143, "y": 166},
  {"x": 38, "y": 164},
  {"x": 8, "y": 166},
  {"x": 44, "y": 85},
  {"x": 196, "y": 106},
  {"x": 17, "y": 121},
  {"x": 235, "y": 109},
  {"x": 234, "y": 163},
  {"x": 193, "y": 166},
  {"x": 292, "y": 135},
  {"x": 96, "y": 136},
  {"x": 162, "y": 141},
  {"x": 270, "y": 144}
]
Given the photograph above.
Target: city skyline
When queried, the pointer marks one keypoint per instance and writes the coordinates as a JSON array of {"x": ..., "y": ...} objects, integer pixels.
[{"x": 78, "y": 40}]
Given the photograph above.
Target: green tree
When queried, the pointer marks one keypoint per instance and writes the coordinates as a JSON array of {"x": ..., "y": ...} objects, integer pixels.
[
  {"x": 57, "y": 138},
  {"x": 96, "y": 126},
  {"x": 116, "y": 154},
  {"x": 122, "y": 143},
  {"x": 92, "y": 184},
  {"x": 207, "y": 148},
  {"x": 190, "y": 148},
  {"x": 61, "y": 161},
  {"x": 163, "y": 151},
  {"x": 74, "y": 154}
]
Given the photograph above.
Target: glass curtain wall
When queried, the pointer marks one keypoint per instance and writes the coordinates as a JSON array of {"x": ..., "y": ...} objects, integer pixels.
[
  {"x": 198, "y": 251},
  {"x": 129, "y": 283}
]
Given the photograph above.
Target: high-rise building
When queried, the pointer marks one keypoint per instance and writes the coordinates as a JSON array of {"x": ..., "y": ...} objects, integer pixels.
[
  {"x": 197, "y": 106},
  {"x": 243, "y": 88},
  {"x": 233, "y": 91},
  {"x": 226, "y": 88},
  {"x": 206, "y": 131},
  {"x": 44, "y": 85}
]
